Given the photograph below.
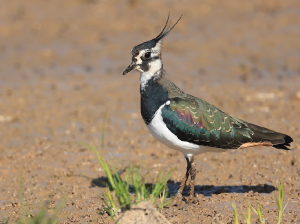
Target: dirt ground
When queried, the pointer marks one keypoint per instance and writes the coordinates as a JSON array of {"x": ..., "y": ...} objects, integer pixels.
[{"x": 61, "y": 65}]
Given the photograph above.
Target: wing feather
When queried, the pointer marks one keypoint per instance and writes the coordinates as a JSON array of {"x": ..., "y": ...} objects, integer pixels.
[
  {"x": 196, "y": 121},
  {"x": 199, "y": 122}
]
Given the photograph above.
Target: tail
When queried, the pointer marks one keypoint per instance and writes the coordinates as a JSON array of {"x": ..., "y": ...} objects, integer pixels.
[{"x": 278, "y": 140}]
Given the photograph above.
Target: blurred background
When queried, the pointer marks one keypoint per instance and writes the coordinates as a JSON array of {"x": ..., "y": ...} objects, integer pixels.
[{"x": 61, "y": 77}]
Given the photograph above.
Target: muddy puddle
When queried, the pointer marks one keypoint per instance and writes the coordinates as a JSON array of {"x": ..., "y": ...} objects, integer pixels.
[{"x": 61, "y": 75}]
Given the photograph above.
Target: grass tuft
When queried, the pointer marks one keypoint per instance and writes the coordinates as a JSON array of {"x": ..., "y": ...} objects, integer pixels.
[
  {"x": 121, "y": 190},
  {"x": 279, "y": 202},
  {"x": 258, "y": 210}
]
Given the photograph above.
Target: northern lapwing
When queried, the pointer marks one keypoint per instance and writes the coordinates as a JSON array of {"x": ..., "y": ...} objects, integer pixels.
[{"x": 186, "y": 123}]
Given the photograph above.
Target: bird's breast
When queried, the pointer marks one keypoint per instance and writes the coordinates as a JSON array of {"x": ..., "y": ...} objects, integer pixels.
[{"x": 153, "y": 95}]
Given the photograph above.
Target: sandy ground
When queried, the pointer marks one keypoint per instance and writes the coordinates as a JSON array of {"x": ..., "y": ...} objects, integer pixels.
[{"x": 61, "y": 72}]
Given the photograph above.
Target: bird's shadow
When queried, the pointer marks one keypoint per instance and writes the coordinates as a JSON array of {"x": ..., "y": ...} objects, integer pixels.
[
  {"x": 206, "y": 190},
  {"x": 209, "y": 190}
]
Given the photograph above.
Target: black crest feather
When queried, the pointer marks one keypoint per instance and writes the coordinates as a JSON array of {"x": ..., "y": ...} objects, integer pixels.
[
  {"x": 151, "y": 43},
  {"x": 166, "y": 29}
]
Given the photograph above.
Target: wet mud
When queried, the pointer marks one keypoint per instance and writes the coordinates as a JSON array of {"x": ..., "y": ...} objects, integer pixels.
[{"x": 61, "y": 75}]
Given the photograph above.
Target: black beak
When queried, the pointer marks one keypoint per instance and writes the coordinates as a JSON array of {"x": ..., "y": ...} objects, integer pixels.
[{"x": 129, "y": 68}]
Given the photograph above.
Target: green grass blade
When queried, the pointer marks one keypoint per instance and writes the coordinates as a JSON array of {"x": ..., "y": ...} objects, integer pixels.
[
  {"x": 259, "y": 210},
  {"x": 279, "y": 201},
  {"x": 248, "y": 218},
  {"x": 159, "y": 186},
  {"x": 236, "y": 218}
]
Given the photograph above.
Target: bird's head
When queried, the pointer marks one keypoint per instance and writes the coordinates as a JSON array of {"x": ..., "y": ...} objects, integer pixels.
[{"x": 146, "y": 57}]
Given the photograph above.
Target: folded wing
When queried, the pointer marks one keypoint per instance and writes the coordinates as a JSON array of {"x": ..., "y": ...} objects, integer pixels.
[{"x": 196, "y": 121}]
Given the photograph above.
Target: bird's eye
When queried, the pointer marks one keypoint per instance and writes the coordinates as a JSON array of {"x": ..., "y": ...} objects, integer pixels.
[{"x": 147, "y": 54}]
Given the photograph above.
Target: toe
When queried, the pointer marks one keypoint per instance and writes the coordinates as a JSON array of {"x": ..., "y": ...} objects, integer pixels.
[{"x": 177, "y": 200}]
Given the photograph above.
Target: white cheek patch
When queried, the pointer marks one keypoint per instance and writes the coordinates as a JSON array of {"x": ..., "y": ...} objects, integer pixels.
[
  {"x": 154, "y": 70},
  {"x": 155, "y": 66},
  {"x": 138, "y": 58}
]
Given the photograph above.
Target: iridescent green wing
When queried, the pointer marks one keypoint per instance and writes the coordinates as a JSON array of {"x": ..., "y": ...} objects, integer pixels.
[{"x": 196, "y": 121}]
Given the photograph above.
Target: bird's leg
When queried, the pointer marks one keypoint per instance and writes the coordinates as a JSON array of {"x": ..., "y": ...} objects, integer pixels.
[
  {"x": 192, "y": 172},
  {"x": 178, "y": 197}
]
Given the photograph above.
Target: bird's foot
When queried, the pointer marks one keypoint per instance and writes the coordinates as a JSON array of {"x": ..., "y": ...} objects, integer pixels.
[
  {"x": 177, "y": 200},
  {"x": 192, "y": 200}
]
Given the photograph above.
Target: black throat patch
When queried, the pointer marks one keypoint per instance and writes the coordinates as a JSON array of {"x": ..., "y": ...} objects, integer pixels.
[{"x": 153, "y": 95}]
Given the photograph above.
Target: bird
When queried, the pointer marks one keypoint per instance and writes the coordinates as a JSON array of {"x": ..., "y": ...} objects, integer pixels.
[{"x": 186, "y": 123}]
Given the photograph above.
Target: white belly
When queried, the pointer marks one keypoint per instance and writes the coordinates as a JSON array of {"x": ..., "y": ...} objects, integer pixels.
[{"x": 160, "y": 131}]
